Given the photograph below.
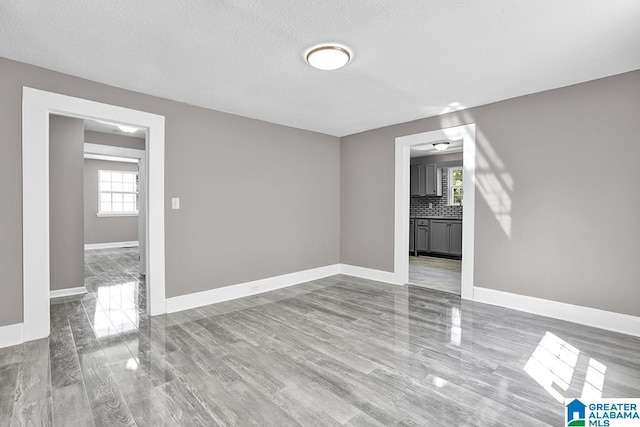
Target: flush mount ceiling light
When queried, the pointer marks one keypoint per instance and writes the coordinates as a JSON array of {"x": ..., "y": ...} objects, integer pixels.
[
  {"x": 328, "y": 57},
  {"x": 441, "y": 146},
  {"x": 128, "y": 129}
]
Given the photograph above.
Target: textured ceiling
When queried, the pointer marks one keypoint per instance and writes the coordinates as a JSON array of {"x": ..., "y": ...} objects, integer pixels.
[{"x": 412, "y": 58}]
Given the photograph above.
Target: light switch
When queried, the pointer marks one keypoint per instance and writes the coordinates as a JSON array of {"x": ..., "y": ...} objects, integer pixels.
[{"x": 175, "y": 203}]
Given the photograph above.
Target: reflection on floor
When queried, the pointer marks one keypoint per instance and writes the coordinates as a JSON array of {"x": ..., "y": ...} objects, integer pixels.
[
  {"x": 112, "y": 276},
  {"x": 336, "y": 351},
  {"x": 435, "y": 273}
]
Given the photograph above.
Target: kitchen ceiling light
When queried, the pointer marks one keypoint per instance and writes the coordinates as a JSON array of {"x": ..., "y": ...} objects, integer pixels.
[
  {"x": 328, "y": 57},
  {"x": 441, "y": 146}
]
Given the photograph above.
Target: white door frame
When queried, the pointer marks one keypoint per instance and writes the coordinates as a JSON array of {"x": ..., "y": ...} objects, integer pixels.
[
  {"x": 36, "y": 107},
  {"x": 402, "y": 183}
]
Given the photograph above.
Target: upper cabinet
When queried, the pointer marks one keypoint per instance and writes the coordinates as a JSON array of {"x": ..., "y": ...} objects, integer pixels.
[
  {"x": 433, "y": 180},
  {"x": 418, "y": 180},
  {"x": 426, "y": 180}
]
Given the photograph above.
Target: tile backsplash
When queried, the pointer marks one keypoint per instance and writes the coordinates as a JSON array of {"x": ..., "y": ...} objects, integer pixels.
[{"x": 420, "y": 205}]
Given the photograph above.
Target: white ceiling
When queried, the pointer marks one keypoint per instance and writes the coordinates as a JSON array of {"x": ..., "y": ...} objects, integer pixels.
[{"x": 412, "y": 58}]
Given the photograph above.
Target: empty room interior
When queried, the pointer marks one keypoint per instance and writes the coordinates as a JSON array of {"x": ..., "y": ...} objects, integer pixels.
[{"x": 319, "y": 213}]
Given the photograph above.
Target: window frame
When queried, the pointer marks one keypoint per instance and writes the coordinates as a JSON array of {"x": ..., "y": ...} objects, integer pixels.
[
  {"x": 451, "y": 187},
  {"x": 136, "y": 193}
]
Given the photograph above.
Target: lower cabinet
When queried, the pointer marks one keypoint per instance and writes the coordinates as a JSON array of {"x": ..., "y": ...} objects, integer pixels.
[
  {"x": 439, "y": 238},
  {"x": 445, "y": 237},
  {"x": 412, "y": 234},
  {"x": 455, "y": 238},
  {"x": 422, "y": 235}
]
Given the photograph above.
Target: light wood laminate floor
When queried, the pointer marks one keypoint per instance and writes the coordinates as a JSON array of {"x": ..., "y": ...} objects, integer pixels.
[
  {"x": 336, "y": 351},
  {"x": 442, "y": 274}
]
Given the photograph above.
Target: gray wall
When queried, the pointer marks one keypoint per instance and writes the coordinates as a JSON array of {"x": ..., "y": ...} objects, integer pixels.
[
  {"x": 105, "y": 229},
  {"x": 541, "y": 160},
  {"x": 65, "y": 202},
  {"x": 257, "y": 199},
  {"x": 114, "y": 140}
]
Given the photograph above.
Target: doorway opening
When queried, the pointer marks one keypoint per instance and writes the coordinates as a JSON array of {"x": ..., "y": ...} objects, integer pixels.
[
  {"x": 441, "y": 230},
  {"x": 114, "y": 227},
  {"x": 37, "y": 106},
  {"x": 435, "y": 222}
]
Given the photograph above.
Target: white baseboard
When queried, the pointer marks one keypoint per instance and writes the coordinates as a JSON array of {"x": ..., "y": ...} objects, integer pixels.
[
  {"x": 110, "y": 245},
  {"x": 11, "y": 335},
  {"x": 594, "y": 317},
  {"x": 199, "y": 299},
  {"x": 67, "y": 292},
  {"x": 367, "y": 273}
]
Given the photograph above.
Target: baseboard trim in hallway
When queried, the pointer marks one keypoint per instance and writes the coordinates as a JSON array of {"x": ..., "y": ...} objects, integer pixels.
[
  {"x": 609, "y": 320},
  {"x": 110, "y": 245},
  {"x": 11, "y": 335},
  {"x": 67, "y": 292}
]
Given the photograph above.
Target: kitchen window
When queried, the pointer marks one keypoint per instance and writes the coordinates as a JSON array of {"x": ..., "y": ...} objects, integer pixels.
[
  {"x": 117, "y": 193},
  {"x": 455, "y": 186}
]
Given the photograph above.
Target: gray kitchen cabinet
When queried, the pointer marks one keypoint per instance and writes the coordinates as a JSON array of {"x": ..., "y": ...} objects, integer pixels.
[
  {"x": 426, "y": 180},
  {"x": 455, "y": 238},
  {"x": 422, "y": 235},
  {"x": 433, "y": 180},
  {"x": 418, "y": 180},
  {"x": 412, "y": 235},
  {"x": 445, "y": 237},
  {"x": 439, "y": 236},
  {"x": 415, "y": 173}
]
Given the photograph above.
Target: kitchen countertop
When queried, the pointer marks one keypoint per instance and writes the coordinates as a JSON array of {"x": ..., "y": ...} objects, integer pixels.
[{"x": 436, "y": 217}]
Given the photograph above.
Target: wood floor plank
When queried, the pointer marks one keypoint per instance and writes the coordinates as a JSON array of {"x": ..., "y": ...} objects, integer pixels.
[
  {"x": 32, "y": 401},
  {"x": 71, "y": 406},
  {"x": 105, "y": 398},
  {"x": 8, "y": 380},
  {"x": 173, "y": 403}
]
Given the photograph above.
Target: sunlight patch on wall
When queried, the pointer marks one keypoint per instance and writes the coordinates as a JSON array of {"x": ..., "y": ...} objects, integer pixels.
[{"x": 492, "y": 179}]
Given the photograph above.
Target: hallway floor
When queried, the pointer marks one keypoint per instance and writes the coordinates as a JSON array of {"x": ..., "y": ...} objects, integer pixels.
[{"x": 336, "y": 351}]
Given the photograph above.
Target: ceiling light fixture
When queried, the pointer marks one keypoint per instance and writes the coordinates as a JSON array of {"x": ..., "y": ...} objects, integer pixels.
[
  {"x": 441, "y": 146},
  {"x": 328, "y": 57},
  {"x": 128, "y": 129}
]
